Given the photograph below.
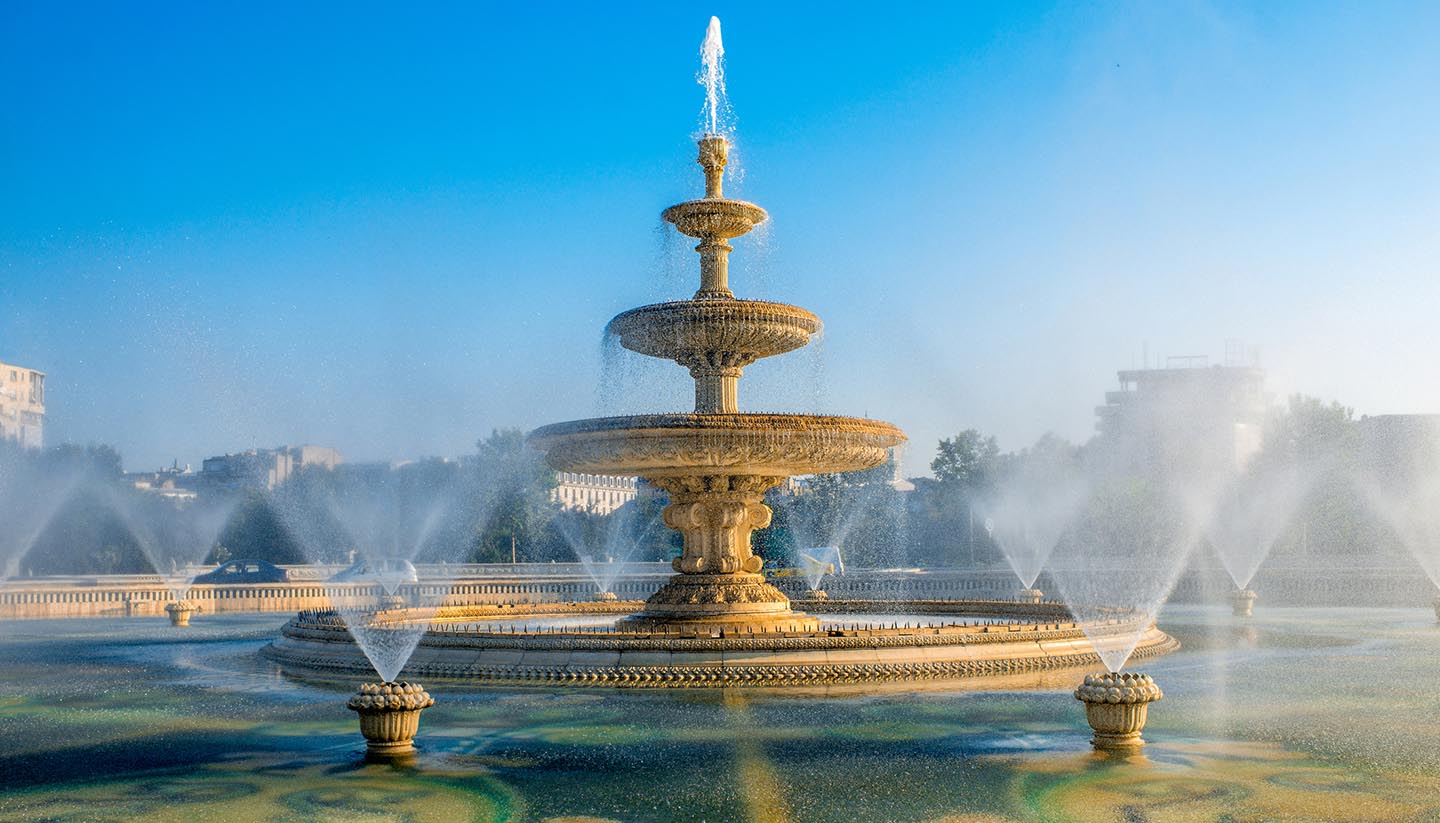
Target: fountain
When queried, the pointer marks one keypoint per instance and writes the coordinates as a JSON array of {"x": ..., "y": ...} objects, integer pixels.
[
  {"x": 390, "y": 716},
  {"x": 1116, "y": 704},
  {"x": 717, "y": 463},
  {"x": 717, "y": 622},
  {"x": 1247, "y": 519},
  {"x": 817, "y": 562},
  {"x": 1035, "y": 501},
  {"x": 1242, "y": 603}
]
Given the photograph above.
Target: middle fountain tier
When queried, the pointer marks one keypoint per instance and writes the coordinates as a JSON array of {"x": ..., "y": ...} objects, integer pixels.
[{"x": 717, "y": 463}]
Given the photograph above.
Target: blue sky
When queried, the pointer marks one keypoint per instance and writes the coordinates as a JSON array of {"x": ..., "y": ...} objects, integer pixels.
[{"x": 390, "y": 230}]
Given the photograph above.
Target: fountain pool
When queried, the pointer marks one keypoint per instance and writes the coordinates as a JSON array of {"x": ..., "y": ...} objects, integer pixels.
[{"x": 113, "y": 720}]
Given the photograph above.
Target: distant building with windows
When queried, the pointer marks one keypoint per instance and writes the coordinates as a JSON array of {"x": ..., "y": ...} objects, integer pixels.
[
  {"x": 263, "y": 468},
  {"x": 1187, "y": 410},
  {"x": 22, "y": 405},
  {"x": 174, "y": 483},
  {"x": 597, "y": 493}
]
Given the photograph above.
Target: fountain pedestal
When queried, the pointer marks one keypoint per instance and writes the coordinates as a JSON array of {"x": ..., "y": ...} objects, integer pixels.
[
  {"x": 1030, "y": 596},
  {"x": 1242, "y": 603},
  {"x": 719, "y": 585},
  {"x": 605, "y": 597},
  {"x": 1116, "y": 704},
  {"x": 180, "y": 612},
  {"x": 390, "y": 716}
]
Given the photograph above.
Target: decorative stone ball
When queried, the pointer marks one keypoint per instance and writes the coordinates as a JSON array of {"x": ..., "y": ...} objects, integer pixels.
[
  {"x": 394, "y": 696},
  {"x": 1118, "y": 687}
]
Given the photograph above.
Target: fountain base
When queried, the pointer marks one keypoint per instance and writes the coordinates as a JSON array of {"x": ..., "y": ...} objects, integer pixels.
[
  {"x": 1030, "y": 596},
  {"x": 390, "y": 716},
  {"x": 605, "y": 597},
  {"x": 466, "y": 645},
  {"x": 1242, "y": 603},
  {"x": 180, "y": 612},
  {"x": 739, "y": 602},
  {"x": 1116, "y": 705}
]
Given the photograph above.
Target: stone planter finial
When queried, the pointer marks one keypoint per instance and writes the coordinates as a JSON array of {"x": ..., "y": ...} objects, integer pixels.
[
  {"x": 1242, "y": 603},
  {"x": 390, "y": 715},
  {"x": 1115, "y": 705},
  {"x": 180, "y": 612}
]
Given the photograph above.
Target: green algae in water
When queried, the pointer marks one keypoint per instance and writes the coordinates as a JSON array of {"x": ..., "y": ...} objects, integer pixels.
[{"x": 1285, "y": 729}]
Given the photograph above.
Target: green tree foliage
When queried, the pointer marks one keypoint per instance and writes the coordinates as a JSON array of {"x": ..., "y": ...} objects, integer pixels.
[
  {"x": 967, "y": 460},
  {"x": 254, "y": 532},
  {"x": 521, "y": 509},
  {"x": 861, "y": 512}
]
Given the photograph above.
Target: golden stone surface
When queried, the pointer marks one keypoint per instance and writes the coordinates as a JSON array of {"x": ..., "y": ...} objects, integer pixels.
[{"x": 717, "y": 463}]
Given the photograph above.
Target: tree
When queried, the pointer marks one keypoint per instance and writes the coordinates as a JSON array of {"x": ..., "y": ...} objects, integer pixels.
[
  {"x": 254, "y": 532},
  {"x": 517, "y": 485},
  {"x": 966, "y": 460}
]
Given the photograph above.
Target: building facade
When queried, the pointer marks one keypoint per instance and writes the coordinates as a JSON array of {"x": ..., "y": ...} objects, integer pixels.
[
  {"x": 263, "y": 468},
  {"x": 1186, "y": 413},
  {"x": 596, "y": 493},
  {"x": 175, "y": 484},
  {"x": 22, "y": 405}
]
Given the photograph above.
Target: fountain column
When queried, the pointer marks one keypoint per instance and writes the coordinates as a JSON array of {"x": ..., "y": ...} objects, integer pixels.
[{"x": 714, "y": 251}]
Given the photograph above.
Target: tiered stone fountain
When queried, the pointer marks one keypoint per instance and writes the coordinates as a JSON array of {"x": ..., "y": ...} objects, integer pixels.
[
  {"x": 717, "y": 463},
  {"x": 717, "y": 622}
]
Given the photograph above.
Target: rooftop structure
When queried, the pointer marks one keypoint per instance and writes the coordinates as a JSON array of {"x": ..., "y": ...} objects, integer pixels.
[
  {"x": 263, "y": 468},
  {"x": 1185, "y": 411}
]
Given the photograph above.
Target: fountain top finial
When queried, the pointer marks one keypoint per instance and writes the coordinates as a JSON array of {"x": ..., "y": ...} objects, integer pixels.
[{"x": 714, "y": 154}]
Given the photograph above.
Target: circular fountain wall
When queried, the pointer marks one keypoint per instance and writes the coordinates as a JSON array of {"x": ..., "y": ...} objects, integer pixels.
[{"x": 856, "y": 642}]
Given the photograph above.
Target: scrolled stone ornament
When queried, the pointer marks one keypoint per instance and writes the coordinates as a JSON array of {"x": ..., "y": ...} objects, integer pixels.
[
  {"x": 390, "y": 715},
  {"x": 1116, "y": 704}
]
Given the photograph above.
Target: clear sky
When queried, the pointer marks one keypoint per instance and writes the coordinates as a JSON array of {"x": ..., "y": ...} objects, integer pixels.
[{"x": 390, "y": 229}]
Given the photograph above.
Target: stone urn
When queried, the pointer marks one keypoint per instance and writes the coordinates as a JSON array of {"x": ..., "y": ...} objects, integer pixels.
[
  {"x": 1116, "y": 705},
  {"x": 1242, "y": 603},
  {"x": 180, "y": 612},
  {"x": 606, "y": 597},
  {"x": 1030, "y": 596},
  {"x": 390, "y": 715}
]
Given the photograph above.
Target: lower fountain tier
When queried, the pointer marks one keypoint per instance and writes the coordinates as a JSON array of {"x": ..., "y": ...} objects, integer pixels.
[
  {"x": 716, "y": 469},
  {"x": 1034, "y": 645},
  {"x": 708, "y": 445}
]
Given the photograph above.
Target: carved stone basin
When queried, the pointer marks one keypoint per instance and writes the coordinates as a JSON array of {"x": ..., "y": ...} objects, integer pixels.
[
  {"x": 680, "y": 445},
  {"x": 715, "y": 218},
  {"x": 691, "y": 332}
]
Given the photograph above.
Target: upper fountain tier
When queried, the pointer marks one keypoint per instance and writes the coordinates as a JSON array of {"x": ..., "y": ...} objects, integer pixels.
[
  {"x": 714, "y": 219},
  {"x": 714, "y": 335}
]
